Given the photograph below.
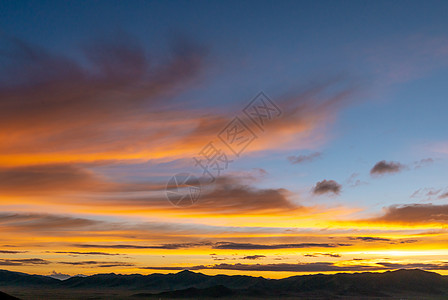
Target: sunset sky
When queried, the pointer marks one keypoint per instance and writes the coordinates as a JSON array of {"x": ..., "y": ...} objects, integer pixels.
[{"x": 102, "y": 102}]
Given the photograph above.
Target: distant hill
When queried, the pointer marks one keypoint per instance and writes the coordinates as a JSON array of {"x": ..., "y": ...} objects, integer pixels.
[
  {"x": 23, "y": 279},
  {"x": 190, "y": 285}
]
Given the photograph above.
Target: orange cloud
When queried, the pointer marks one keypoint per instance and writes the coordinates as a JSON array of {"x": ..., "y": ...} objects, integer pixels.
[{"x": 121, "y": 107}]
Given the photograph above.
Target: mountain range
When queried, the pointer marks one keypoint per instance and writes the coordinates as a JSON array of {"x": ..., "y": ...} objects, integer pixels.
[{"x": 407, "y": 284}]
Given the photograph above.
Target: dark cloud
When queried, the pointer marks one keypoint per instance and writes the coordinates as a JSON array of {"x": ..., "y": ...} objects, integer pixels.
[
  {"x": 384, "y": 167},
  {"x": 217, "y": 245},
  {"x": 236, "y": 195},
  {"x": 408, "y": 241},
  {"x": 253, "y": 257},
  {"x": 84, "y": 253},
  {"x": 114, "y": 264},
  {"x": 322, "y": 254},
  {"x": 99, "y": 264},
  {"x": 369, "y": 239},
  {"x": 235, "y": 198},
  {"x": 379, "y": 239},
  {"x": 129, "y": 246},
  {"x": 327, "y": 186},
  {"x": 23, "y": 262},
  {"x": 304, "y": 158},
  {"x": 249, "y": 246},
  {"x": 11, "y": 252}
]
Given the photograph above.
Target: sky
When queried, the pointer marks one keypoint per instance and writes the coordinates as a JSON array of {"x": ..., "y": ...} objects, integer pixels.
[{"x": 313, "y": 135}]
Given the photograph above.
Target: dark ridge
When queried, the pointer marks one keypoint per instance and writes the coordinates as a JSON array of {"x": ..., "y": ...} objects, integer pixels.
[
  {"x": 413, "y": 283},
  {"x": 23, "y": 279},
  {"x": 4, "y": 296}
]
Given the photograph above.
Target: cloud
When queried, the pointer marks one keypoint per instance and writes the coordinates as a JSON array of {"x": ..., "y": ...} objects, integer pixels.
[
  {"x": 42, "y": 222},
  {"x": 421, "y": 266},
  {"x": 59, "y": 276},
  {"x": 23, "y": 262},
  {"x": 56, "y": 105},
  {"x": 109, "y": 105},
  {"x": 443, "y": 196},
  {"x": 327, "y": 186},
  {"x": 230, "y": 197},
  {"x": 304, "y": 158},
  {"x": 423, "y": 162},
  {"x": 215, "y": 245},
  {"x": 384, "y": 167},
  {"x": 164, "y": 235},
  {"x": 311, "y": 267},
  {"x": 45, "y": 179},
  {"x": 282, "y": 267},
  {"x": 322, "y": 254},
  {"x": 428, "y": 192},
  {"x": 250, "y": 246},
  {"x": 253, "y": 257},
  {"x": 369, "y": 239},
  {"x": 130, "y": 246},
  {"x": 11, "y": 252},
  {"x": 414, "y": 214},
  {"x": 353, "y": 180},
  {"x": 99, "y": 264},
  {"x": 84, "y": 253}
]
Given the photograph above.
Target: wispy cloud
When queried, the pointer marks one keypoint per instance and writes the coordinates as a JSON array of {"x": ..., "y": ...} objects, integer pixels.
[
  {"x": 254, "y": 257},
  {"x": 23, "y": 262},
  {"x": 42, "y": 222},
  {"x": 249, "y": 246},
  {"x": 11, "y": 252},
  {"x": 304, "y": 158},
  {"x": 369, "y": 239},
  {"x": 85, "y": 253},
  {"x": 97, "y": 264},
  {"x": 216, "y": 245},
  {"x": 322, "y": 254}
]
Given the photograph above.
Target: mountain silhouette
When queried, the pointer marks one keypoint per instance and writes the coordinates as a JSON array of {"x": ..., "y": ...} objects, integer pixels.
[
  {"x": 191, "y": 285},
  {"x": 4, "y": 296}
]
